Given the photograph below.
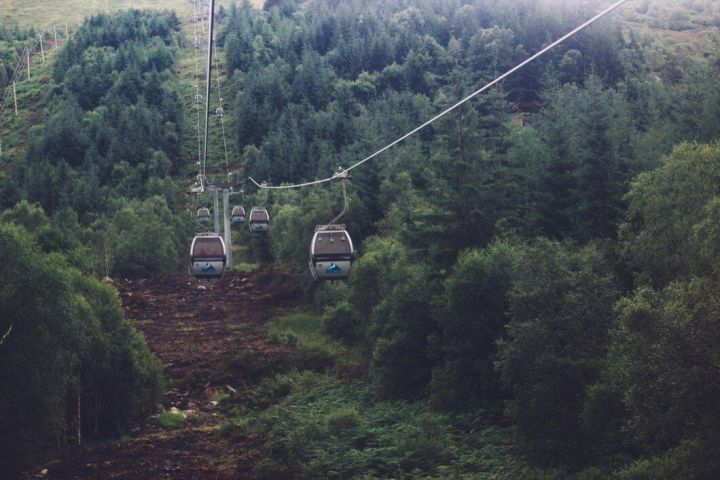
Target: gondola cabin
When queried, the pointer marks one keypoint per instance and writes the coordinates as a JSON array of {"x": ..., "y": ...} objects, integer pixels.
[
  {"x": 238, "y": 215},
  {"x": 259, "y": 220},
  {"x": 219, "y": 112},
  {"x": 203, "y": 215},
  {"x": 331, "y": 253},
  {"x": 198, "y": 99},
  {"x": 208, "y": 256}
]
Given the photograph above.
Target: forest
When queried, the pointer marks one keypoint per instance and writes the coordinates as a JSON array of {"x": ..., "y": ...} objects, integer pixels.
[{"x": 535, "y": 289}]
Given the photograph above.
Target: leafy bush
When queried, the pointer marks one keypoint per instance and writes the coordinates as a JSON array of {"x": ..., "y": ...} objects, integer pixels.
[
  {"x": 72, "y": 365},
  {"x": 665, "y": 348},
  {"x": 146, "y": 239},
  {"x": 473, "y": 319},
  {"x": 561, "y": 305},
  {"x": 340, "y": 322},
  {"x": 666, "y": 206}
]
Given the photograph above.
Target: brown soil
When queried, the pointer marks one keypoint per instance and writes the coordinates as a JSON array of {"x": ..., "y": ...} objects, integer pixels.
[{"x": 197, "y": 329}]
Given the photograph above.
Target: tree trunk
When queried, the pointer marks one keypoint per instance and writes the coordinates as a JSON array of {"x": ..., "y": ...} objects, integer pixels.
[{"x": 79, "y": 419}]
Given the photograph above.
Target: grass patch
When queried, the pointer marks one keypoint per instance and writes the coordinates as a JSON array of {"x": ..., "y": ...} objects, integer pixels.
[
  {"x": 171, "y": 421},
  {"x": 304, "y": 330},
  {"x": 316, "y": 426},
  {"x": 57, "y": 12},
  {"x": 237, "y": 327},
  {"x": 186, "y": 328},
  {"x": 244, "y": 266}
]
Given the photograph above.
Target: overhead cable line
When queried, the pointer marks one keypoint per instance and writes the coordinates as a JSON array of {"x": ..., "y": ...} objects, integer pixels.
[
  {"x": 208, "y": 75},
  {"x": 499, "y": 79},
  {"x": 222, "y": 119},
  {"x": 197, "y": 89}
]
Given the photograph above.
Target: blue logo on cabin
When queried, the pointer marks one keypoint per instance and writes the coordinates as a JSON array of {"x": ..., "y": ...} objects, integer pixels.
[
  {"x": 208, "y": 268},
  {"x": 333, "y": 268}
]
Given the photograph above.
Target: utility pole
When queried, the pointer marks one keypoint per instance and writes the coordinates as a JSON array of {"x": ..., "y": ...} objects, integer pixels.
[
  {"x": 15, "y": 97},
  {"x": 228, "y": 229},
  {"x": 55, "y": 33},
  {"x": 42, "y": 50},
  {"x": 216, "y": 210},
  {"x": 28, "y": 60}
]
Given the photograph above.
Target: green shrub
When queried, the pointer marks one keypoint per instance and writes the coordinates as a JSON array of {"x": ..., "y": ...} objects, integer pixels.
[
  {"x": 146, "y": 240},
  {"x": 236, "y": 430},
  {"x": 171, "y": 421},
  {"x": 257, "y": 366},
  {"x": 426, "y": 443},
  {"x": 473, "y": 319},
  {"x": 562, "y": 305},
  {"x": 343, "y": 419},
  {"x": 341, "y": 322},
  {"x": 269, "y": 469}
]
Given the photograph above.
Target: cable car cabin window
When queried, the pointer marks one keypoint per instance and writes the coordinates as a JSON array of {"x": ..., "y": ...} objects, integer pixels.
[
  {"x": 332, "y": 243},
  {"x": 208, "y": 247}
]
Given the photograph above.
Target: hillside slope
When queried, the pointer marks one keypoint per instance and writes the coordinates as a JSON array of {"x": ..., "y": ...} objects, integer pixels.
[{"x": 58, "y": 12}]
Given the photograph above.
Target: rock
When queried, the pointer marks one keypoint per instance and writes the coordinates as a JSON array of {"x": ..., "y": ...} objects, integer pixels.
[
  {"x": 44, "y": 472},
  {"x": 177, "y": 411},
  {"x": 244, "y": 280},
  {"x": 202, "y": 287},
  {"x": 213, "y": 404}
]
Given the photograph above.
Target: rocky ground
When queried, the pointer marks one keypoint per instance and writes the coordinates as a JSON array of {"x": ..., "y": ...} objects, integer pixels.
[{"x": 204, "y": 333}]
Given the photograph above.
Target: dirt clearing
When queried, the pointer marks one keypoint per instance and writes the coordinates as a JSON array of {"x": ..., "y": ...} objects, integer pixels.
[{"x": 204, "y": 333}]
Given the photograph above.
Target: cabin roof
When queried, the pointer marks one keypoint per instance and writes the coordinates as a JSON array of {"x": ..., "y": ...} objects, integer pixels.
[{"x": 332, "y": 243}]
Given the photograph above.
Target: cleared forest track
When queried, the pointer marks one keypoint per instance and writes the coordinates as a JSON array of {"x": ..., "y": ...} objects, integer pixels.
[{"x": 199, "y": 330}]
